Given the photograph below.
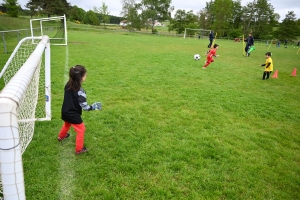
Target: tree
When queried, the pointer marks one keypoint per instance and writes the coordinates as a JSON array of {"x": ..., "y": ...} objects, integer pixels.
[
  {"x": 55, "y": 7},
  {"x": 248, "y": 12},
  {"x": 103, "y": 12},
  {"x": 222, "y": 16},
  {"x": 155, "y": 10},
  {"x": 222, "y": 11},
  {"x": 91, "y": 18},
  {"x": 298, "y": 23},
  {"x": 209, "y": 15},
  {"x": 130, "y": 13},
  {"x": 235, "y": 26},
  {"x": 237, "y": 15},
  {"x": 288, "y": 29},
  {"x": 182, "y": 20},
  {"x": 34, "y": 6},
  {"x": 202, "y": 16},
  {"x": 276, "y": 17},
  {"x": 259, "y": 18},
  {"x": 76, "y": 13},
  {"x": 49, "y": 7},
  {"x": 12, "y": 7},
  {"x": 32, "y": 9}
]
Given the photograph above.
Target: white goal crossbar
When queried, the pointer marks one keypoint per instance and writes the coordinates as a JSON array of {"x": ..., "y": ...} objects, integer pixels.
[{"x": 21, "y": 85}]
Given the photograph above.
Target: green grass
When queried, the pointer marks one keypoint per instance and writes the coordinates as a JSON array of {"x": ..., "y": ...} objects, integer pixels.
[
  {"x": 170, "y": 129},
  {"x": 12, "y": 23}
]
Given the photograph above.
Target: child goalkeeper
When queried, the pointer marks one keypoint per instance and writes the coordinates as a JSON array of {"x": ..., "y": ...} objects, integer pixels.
[{"x": 73, "y": 104}]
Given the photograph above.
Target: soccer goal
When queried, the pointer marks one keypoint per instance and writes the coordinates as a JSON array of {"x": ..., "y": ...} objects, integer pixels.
[
  {"x": 24, "y": 98},
  {"x": 195, "y": 32},
  {"x": 54, "y": 27}
]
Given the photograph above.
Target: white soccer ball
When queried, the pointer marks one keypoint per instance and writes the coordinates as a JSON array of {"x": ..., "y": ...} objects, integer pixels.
[{"x": 197, "y": 57}]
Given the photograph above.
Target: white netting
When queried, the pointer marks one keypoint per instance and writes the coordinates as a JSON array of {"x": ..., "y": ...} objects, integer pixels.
[
  {"x": 16, "y": 63},
  {"x": 189, "y": 32},
  {"x": 28, "y": 105},
  {"x": 33, "y": 100}
]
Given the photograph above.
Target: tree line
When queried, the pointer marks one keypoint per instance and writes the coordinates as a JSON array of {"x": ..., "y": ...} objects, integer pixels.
[
  {"x": 230, "y": 19},
  {"x": 226, "y": 17}
]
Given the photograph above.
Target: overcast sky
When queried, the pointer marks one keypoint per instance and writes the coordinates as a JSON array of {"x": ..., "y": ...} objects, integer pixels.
[{"x": 114, "y": 6}]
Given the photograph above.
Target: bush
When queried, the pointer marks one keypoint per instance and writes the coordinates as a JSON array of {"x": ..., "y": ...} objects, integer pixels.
[{"x": 235, "y": 33}]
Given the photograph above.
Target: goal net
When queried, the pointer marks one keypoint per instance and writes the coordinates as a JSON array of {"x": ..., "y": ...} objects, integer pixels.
[
  {"x": 24, "y": 98},
  {"x": 54, "y": 27},
  {"x": 197, "y": 33}
]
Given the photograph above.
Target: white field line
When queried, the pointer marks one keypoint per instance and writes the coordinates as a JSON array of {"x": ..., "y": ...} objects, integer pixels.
[{"x": 66, "y": 171}]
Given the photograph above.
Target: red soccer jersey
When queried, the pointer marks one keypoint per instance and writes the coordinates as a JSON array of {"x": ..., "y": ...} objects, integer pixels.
[{"x": 211, "y": 53}]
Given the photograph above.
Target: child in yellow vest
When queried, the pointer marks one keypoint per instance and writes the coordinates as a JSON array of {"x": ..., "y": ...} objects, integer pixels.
[{"x": 268, "y": 66}]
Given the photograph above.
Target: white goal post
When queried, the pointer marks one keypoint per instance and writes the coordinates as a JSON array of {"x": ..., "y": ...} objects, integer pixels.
[
  {"x": 54, "y": 27},
  {"x": 26, "y": 73},
  {"x": 191, "y": 31}
]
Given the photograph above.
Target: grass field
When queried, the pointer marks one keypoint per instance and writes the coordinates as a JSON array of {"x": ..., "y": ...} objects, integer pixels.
[{"x": 170, "y": 129}]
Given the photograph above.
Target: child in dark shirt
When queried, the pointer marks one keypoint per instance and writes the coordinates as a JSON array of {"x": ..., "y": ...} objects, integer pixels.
[{"x": 73, "y": 104}]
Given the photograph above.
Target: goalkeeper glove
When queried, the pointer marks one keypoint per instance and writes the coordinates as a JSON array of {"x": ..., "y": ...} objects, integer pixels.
[{"x": 96, "y": 106}]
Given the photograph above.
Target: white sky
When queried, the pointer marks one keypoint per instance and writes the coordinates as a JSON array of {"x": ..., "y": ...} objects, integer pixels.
[{"x": 114, "y": 6}]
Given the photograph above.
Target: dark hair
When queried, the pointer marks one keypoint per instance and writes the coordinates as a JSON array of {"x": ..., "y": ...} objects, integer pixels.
[
  {"x": 216, "y": 45},
  {"x": 268, "y": 54},
  {"x": 75, "y": 77}
]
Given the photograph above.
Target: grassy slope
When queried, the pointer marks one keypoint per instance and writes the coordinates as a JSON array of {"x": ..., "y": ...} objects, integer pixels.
[{"x": 11, "y": 23}]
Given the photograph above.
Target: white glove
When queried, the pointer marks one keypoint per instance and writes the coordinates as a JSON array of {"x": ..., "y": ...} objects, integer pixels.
[{"x": 96, "y": 106}]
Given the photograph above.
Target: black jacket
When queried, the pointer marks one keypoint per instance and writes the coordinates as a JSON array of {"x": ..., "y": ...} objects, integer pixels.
[
  {"x": 250, "y": 41},
  {"x": 211, "y": 36},
  {"x": 72, "y": 106}
]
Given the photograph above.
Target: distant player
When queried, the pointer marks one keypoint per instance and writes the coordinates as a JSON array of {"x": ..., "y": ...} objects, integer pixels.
[
  {"x": 211, "y": 38},
  {"x": 249, "y": 43},
  {"x": 211, "y": 53}
]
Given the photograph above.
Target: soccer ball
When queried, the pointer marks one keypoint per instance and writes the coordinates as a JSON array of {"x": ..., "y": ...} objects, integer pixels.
[{"x": 197, "y": 57}]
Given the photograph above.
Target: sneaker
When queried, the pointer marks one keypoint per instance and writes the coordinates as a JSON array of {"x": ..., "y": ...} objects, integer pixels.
[
  {"x": 61, "y": 139},
  {"x": 83, "y": 150}
]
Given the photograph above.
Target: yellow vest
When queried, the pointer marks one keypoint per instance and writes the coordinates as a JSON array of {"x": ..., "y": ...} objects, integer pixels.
[{"x": 270, "y": 68}]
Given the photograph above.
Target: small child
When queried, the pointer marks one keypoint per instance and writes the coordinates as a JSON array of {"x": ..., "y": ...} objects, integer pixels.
[
  {"x": 210, "y": 53},
  {"x": 73, "y": 103},
  {"x": 268, "y": 66}
]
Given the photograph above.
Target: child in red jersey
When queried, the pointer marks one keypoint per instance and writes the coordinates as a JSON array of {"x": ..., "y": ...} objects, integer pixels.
[{"x": 210, "y": 55}]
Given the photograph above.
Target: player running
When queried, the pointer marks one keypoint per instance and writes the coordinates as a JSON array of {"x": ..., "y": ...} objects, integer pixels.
[{"x": 211, "y": 53}]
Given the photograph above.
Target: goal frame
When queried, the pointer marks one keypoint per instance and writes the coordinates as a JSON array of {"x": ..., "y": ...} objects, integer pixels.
[
  {"x": 41, "y": 20},
  {"x": 11, "y": 166},
  {"x": 184, "y": 35},
  {"x": 47, "y": 62}
]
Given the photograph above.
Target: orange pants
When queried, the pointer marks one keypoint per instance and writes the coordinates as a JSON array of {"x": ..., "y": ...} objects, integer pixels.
[{"x": 79, "y": 129}]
